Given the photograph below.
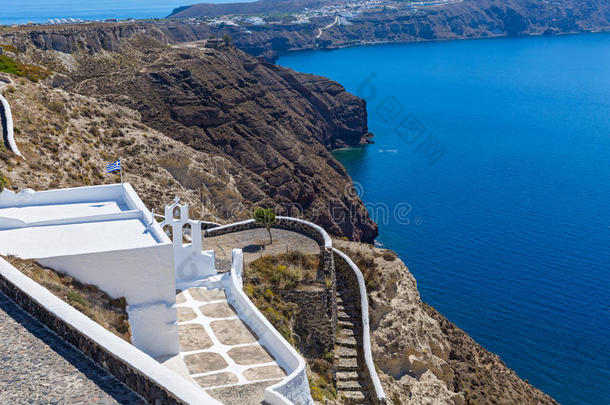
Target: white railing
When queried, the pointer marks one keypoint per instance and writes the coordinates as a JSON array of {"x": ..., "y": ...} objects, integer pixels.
[
  {"x": 274, "y": 391},
  {"x": 294, "y": 388}
]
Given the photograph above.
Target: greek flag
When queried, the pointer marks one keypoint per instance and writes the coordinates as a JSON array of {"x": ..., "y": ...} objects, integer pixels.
[{"x": 114, "y": 166}]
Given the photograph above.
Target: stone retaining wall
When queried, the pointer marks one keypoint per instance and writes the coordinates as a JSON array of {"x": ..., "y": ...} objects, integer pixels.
[
  {"x": 314, "y": 327},
  {"x": 151, "y": 391}
]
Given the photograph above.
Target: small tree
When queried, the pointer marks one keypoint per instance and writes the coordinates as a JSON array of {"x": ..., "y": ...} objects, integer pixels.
[
  {"x": 227, "y": 39},
  {"x": 266, "y": 217}
]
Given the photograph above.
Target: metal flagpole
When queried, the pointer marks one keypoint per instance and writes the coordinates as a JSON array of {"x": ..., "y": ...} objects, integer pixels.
[{"x": 121, "y": 170}]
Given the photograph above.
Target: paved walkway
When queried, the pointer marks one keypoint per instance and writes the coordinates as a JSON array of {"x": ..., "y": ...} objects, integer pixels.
[
  {"x": 254, "y": 243},
  {"x": 219, "y": 352},
  {"x": 38, "y": 367}
]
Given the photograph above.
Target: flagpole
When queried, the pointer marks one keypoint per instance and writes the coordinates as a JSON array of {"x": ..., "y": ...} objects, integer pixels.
[{"x": 121, "y": 170}]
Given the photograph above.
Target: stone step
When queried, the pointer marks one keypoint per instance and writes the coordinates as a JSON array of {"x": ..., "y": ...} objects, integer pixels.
[
  {"x": 347, "y": 332},
  {"x": 343, "y": 316},
  {"x": 347, "y": 341},
  {"x": 346, "y": 324},
  {"x": 347, "y": 375},
  {"x": 346, "y": 365},
  {"x": 352, "y": 397},
  {"x": 350, "y": 385},
  {"x": 346, "y": 352},
  {"x": 344, "y": 301}
]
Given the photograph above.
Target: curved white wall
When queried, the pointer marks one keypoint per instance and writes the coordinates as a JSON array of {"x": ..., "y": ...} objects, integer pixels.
[
  {"x": 8, "y": 116},
  {"x": 293, "y": 389}
]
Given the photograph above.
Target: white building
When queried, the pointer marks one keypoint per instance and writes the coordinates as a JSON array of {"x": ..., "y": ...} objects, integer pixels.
[{"x": 104, "y": 236}]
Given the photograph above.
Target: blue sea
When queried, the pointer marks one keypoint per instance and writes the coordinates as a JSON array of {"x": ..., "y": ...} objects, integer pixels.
[
  {"x": 40, "y": 11},
  {"x": 490, "y": 176}
]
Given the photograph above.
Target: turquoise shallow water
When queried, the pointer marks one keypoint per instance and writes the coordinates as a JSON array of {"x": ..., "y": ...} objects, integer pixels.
[{"x": 497, "y": 155}]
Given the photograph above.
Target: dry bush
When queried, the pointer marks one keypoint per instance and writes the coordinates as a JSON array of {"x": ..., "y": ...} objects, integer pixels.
[
  {"x": 88, "y": 299},
  {"x": 366, "y": 263},
  {"x": 285, "y": 270},
  {"x": 57, "y": 107}
]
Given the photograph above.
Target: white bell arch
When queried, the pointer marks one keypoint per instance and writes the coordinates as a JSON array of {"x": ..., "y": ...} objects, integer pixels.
[{"x": 191, "y": 263}]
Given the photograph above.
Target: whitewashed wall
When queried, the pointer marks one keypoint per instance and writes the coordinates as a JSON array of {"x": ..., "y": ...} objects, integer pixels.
[
  {"x": 145, "y": 277},
  {"x": 8, "y": 118}
]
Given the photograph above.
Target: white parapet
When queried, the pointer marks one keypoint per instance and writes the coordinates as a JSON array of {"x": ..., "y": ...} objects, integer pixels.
[
  {"x": 294, "y": 388},
  {"x": 183, "y": 390}
]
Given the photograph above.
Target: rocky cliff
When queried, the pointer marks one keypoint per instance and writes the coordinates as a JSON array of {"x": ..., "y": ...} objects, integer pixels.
[
  {"x": 422, "y": 357},
  {"x": 271, "y": 126},
  {"x": 400, "y": 23}
]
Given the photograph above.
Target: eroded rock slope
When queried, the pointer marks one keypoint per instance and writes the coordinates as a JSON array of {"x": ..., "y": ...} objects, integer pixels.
[{"x": 272, "y": 127}]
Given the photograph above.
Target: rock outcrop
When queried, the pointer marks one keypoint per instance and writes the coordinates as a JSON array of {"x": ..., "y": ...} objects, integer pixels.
[{"x": 422, "y": 357}]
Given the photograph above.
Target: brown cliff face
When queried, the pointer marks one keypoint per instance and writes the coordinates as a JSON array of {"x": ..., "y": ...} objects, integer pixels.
[{"x": 271, "y": 124}]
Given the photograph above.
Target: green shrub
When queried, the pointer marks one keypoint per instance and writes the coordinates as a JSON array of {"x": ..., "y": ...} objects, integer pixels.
[
  {"x": 8, "y": 65},
  {"x": 31, "y": 72},
  {"x": 316, "y": 393},
  {"x": 3, "y": 182},
  {"x": 9, "y": 48},
  {"x": 57, "y": 107},
  {"x": 389, "y": 256},
  {"x": 75, "y": 299}
]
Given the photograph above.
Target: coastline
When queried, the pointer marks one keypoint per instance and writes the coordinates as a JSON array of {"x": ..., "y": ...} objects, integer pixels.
[
  {"x": 358, "y": 44},
  {"x": 524, "y": 230},
  {"x": 399, "y": 44}
]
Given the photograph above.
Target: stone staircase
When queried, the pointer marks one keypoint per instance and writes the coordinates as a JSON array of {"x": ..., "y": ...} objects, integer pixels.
[{"x": 350, "y": 386}]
